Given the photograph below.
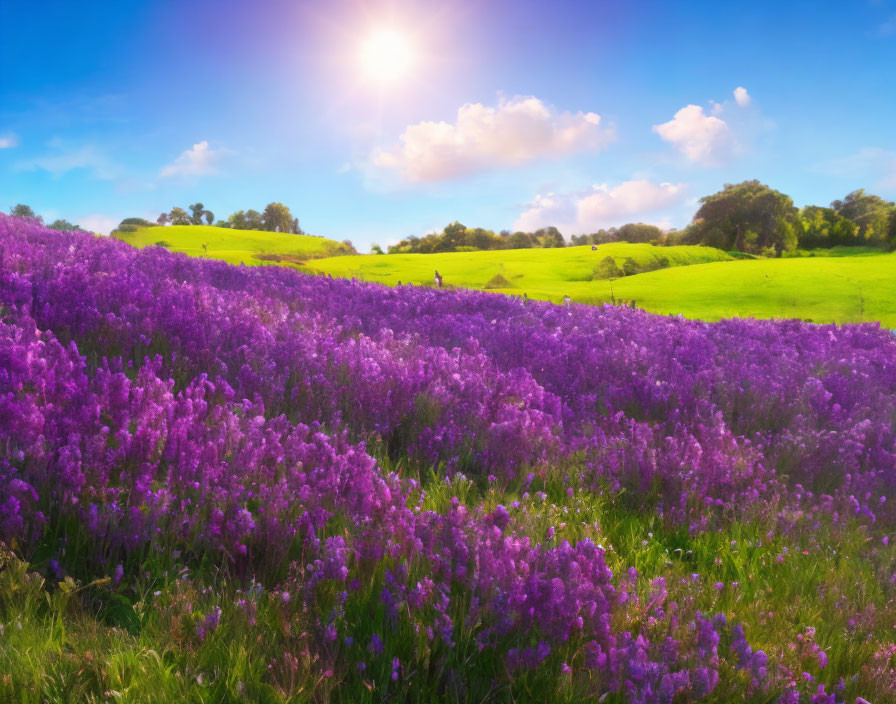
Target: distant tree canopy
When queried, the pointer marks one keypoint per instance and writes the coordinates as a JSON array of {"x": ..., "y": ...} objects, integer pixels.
[
  {"x": 748, "y": 217},
  {"x": 63, "y": 225},
  {"x": 634, "y": 232},
  {"x": 275, "y": 218},
  {"x": 751, "y": 217},
  {"x": 872, "y": 214},
  {"x": 24, "y": 211},
  {"x": 819, "y": 227},
  {"x": 198, "y": 212},
  {"x": 457, "y": 237},
  {"x": 131, "y": 225}
]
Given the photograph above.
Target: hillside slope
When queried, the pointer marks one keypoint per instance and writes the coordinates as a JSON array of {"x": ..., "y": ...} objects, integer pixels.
[
  {"x": 855, "y": 288},
  {"x": 820, "y": 289},
  {"x": 555, "y": 272},
  {"x": 235, "y": 246}
]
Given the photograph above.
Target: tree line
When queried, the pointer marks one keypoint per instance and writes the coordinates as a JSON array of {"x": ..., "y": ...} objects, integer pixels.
[
  {"x": 748, "y": 217},
  {"x": 23, "y": 211},
  {"x": 754, "y": 218},
  {"x": 275, "y": 217}
]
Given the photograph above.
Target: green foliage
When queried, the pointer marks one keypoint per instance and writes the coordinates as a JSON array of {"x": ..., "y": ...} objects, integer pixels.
[
  {"x": 24, "y": 211},
  {"x": 819, "y": 227},
  {"x": 871, "y": 214},
  {"x": 748, "y": 216},
  {"x": 607, "y": 269},
  {"x": 63, "y": 225},
  {"x": 178, "y": 216},
  {"x": 245, "y": 220},
  {"x": 140, "y": 222},
  {"x": 457, "y": 237},
  {"x": 277, "y": 218}
]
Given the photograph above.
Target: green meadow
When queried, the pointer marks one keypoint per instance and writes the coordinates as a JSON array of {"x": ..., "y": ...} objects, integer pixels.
[
  {"x": 250, "y": 247},
  {"x": 847, "y": 284},
  {"x": 841, "y": 285}
]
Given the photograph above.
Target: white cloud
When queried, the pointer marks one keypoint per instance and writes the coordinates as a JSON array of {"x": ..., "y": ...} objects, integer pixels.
[
  {"x": 701, "y": 138},
  {"x": 517, "y": 131},
  {"x": 101, "y": 224},
  {"x": 601, "y": 206},
  {"x": 741, "y": 97},
  {"x": 9, "y": 140},
  {"x": 197, "y": 161},
  {"x": 65, "y": 158}
]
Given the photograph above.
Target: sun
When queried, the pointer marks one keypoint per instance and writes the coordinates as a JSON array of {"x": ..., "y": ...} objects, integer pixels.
[{"x": 387, "y": 56}]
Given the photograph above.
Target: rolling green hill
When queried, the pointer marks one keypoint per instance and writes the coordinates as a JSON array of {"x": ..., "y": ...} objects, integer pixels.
[
  {"x": 552, "y": 273},
  {"x": 846, "y": 287},
  {"x": 235, "y": 246}
]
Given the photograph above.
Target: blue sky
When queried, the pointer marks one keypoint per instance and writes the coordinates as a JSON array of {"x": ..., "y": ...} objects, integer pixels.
[{"x": 505, "y": 115}]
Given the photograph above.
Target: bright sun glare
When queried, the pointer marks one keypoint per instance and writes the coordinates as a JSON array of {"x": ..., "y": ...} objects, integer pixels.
[{"x": 387, "y": 56}]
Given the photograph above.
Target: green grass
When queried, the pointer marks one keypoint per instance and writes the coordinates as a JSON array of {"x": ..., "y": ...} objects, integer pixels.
[
  {"x": 137, "y": 641},
  {"x": 841, "y": 285},
  {"x": 236, "y": 246},
  {"x": 551, "y": 272}
]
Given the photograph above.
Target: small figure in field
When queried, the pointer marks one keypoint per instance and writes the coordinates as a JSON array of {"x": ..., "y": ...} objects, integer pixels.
[
  {"x": 438, "y": 279},
  {"x": 594, "y": 248},
  {"x": 567, "y": 300}
]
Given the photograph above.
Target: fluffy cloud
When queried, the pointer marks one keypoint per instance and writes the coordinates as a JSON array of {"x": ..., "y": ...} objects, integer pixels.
[
  {"x": 197, "y": 161},
  {"x": 701, "y": 138},
  {"x": 518, "y": 131},
  {"x": 8, "y": 141},
  {"x": 601, "y": 206},
  {"x": 741, "y": 97}
]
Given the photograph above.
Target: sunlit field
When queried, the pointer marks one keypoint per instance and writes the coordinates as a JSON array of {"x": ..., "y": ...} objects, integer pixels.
[
  {"x": 455, "y": 352},
  {"x": 819, "y": 287},
  {"x": 228, "y": 484},
  {"x": 249, "y": 247}
]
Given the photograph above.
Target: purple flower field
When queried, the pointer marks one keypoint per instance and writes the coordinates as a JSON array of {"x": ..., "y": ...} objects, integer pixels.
[{"x": 463, "y": 468}]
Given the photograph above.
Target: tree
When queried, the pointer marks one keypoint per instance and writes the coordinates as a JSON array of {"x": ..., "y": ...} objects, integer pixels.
[
  {"x": 276, "y": 218},
  {"x": 197, "y": 210},
  {"x": 254, "y": 220},
  {"x": 891, "y": 230},
  {"x": 23, "y": 211},
  {"x": 209, "y": 216},
  {"x": 638, "y": 232},
  {"x": 162, "y": 219},
  {"x": 748, "y": 217},
  {"x": 550, "y": 237},
  {"x": 825, "y": 227},
  {"x": 350, "y": 246},
  {"x": 178, "y": 216},
  {"x": 376, "y": 249},
  {"x": 869, "y": 212},
  {"x": 607, "y": 269},
  {"x": 63, "y": 225}
]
